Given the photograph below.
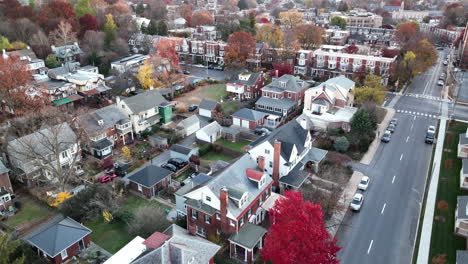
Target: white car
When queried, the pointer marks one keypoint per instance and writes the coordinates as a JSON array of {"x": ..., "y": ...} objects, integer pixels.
[
  {"x": 364, "y": 183},
  {"x": 431, "y": 129},
  {"x": 445, "y": 63},
  {"x": 357, "y": 201},
  {"x": 440, "y": 83}
]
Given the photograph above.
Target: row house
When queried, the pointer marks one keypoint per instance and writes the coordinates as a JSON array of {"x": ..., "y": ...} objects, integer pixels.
[
  {"x": 246, "y": 85},
  {"x": 106, "y": 128},
  {"x": 142, "y": 43},
  {"x": 336, "y": 36},
  {"x": 205, "y": 32},
  {"x": 6, "y": 189},
  {"x": 301, "y": 65},
  {"x": 445, "y": 36},
  {"x": 281, "y": 98},
  {"x": 359, "y": 18},
  {"x": 327, "y": 64},
  {"x": 380, "y": 37},
  {"x": 200, "y": 52}
]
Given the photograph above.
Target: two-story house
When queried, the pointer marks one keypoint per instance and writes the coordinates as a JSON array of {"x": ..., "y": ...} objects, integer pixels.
[
  {"x": 129, "y": 63},
  {"x": 6, "y": 190},
  {"x": 61, "y": 92},
  {"x": 145, "y": 110},
  {"x": 281, "y": 98},
  {"x": 246, "y": 85},
  {"x": 302, "y": 62},
  {"x": 67, "y": 53},
  {"x": 87, "y": 82},
  {"x": 27, "y": 56},
  {"x": 105, "y": 128}
]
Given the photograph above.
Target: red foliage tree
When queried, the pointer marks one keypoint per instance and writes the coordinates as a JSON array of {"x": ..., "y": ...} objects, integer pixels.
[
  {"x": 186, "y": 13},
  {"x": 264, "y": 20},
  {"x": 166, "y": 49},
  {"x": 406, "y": 31},
  {"x": 298, "y": 234},
  {"x": 52, "y": 13},
  {"x": 87, "y": 22},
  {"x": 202, "y": 17},
  {"x": 14, "y": 10},
  {"x": 281, "y": 69},
  {"x": 240, "y": 47},
  {"x": 352, "y": 49}
]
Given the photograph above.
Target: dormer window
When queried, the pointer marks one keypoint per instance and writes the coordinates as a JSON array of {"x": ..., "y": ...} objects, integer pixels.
[
  {"x": 100, "y": 122},
  {"x": 208, "y": 198},
  {"x": 282, "y": 84}
]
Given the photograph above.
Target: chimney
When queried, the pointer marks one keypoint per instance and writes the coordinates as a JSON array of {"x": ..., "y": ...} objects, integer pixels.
[
  {"x": 276, "y": 73},
  {"x": 324, "y": 87},
  {"x": 223, "y": 199},
  {"x": 276, "y": 164},
  {"x": 261, "y": 163}
]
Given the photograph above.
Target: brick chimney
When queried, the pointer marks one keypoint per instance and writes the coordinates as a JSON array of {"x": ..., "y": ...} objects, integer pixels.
[
  {"x": 276, "y": 164},
  {"x": 261, "y": 163},
  {"x": 223, "y": 200}
]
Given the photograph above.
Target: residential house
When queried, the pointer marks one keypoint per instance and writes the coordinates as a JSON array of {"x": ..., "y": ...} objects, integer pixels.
[
  {"x": 257, "y": 58},
  {"x": 189, "y": 186},
  {"x": 248, "y": 118},
  {"x": 140, "y": 21},
  {"x": 229, "y": 204},
  {"x": 128, "y": 253},
  {"x": 27, "y": 56},
  {"x": 67, "y": 53},
  {"x": 129, "y": 63},
  {"x": 106, "y": 128},
  {"x": 360, "y": 18},
  {"x": 288, "y": 155},
  {"x": 150, "y": 180},
  {"x": 462, "y": 256},
  {"x": 188, "y": 126},
  {"x": 60, "y": 239},
  {"x": 461, "y": 217},
  {"x": 281, "y": 98},
  {"x": 209, "y": 133},
  {"x": 28, "y": 154},
  {"x": 87, "y": 82},
  {"x": 176, "y": 245},
  {"x": 303, "y": 58},
  {"x": 6, "y": 190},
  {"x": 182, "y": 152},
  {"x": 245, "y": 85},
  {"x": 464, "y": 175},
  {"x": 145, "y": 110},
  {"x": 380, "y": 37},
  {"x": 462, "y": 51},
  {"x": 329, "y": 105},
  {"x": 207, "y": 108},
  {"x": 462, "y": 151},
  {"x": 206, "y": 32},
  {"x": 142, "y": 43},
  {"x": 61, "y": 92}
]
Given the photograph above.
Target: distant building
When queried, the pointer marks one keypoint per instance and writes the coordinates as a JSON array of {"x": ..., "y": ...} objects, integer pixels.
[
  {"x": 128, "y": 63},
  {"x": 463, "y": 50},
  {"x": 67, "y": 53}
]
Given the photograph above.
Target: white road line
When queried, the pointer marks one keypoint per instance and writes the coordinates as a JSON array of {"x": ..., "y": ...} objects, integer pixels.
[
  {"x": 414, "y": 118},
  {"x": 401, "y": 157},
  {"x": 412, "y": 125},
  {"x": 370, "y": 246},
  {"x": 407, "y": 139},
  {"x": 383, "y": 208},
  {"x": 393, "y": 178}
]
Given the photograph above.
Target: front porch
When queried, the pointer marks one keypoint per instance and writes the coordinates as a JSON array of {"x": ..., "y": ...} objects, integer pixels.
[
  {"x": 246, "y": 244},
  {"x": 102, "y": 148}
]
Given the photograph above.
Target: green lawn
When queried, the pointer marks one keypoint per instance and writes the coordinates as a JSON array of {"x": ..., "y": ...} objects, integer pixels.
[
  {"x": 184, "y": 175},
  {"x": 214, "y": 92},
  {"x": 30, "y": 211},
  {"x": 237, "y": 146},
  {"x": 210, "y": 157},
  {"x": 443, "y": 240},
  {"x": 230, "y": 107},
  {"x": 134, "y": 202}
]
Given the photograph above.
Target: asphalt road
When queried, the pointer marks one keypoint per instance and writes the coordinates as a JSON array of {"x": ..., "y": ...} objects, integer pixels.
[{"x": 384, "y": 230}]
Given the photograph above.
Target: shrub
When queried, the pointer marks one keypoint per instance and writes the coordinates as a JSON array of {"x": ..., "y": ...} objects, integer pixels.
[
  {"x": 324, "y": 143},
  {"x": 341, "y": 144},
  {"x": 147, "y": 220},
  {"x": 334, "y": 132}
]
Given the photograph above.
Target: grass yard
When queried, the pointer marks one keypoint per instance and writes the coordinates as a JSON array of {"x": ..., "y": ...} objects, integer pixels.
[
  {"x": 443, "y": 240},
  {"x": 214, "y": 92},
  {"x": 30, "y": 211},
  {"x": 184, "y": 175},
  {"x": 230, "y": 107},
  {"x": 211, "y": 157},
  {"x": 134, "y": 202},
  {"x": 237, "y": 146}
]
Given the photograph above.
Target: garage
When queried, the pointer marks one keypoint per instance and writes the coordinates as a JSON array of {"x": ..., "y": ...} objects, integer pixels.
[
  {"x": 236, "y": 121},
  {"x": 245, "y": 123}
]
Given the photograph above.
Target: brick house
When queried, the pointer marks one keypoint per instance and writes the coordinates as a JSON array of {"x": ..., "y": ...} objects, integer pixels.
[
  {"x": 302, "y": 62},
  {"x": 246, "y": 85},
  {"x": 5, "y": 188},
  {"x": 232, "y": 201},
  {"x": 150, "y": 180},
  {"x": 60, "y": 239},
  {"x": 248, "y": 118}
]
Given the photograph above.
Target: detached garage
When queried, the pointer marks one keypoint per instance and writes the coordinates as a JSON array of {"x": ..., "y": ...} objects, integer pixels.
[
  {"x": 188, "y": 126},
  {"x": 248, "y": 118},
  {"x": 207, "y": 108}
]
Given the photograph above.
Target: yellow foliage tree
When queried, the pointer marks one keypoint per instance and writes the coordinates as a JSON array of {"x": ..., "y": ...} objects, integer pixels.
[
  {"x": 61, "y": 197},
  {"x": 107, "y": 216},
  {"x": 290, "y": 18},
  {"x": 126, "y": 152},
  {"x": 145, "y": 76},
  {"x": 270, "y": 34},
  {"x": 368, "y": 94}
]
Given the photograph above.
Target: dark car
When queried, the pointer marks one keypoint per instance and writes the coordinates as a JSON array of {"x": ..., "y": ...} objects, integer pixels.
[
  {"x": 179, "y": 163},
  {"x": 192, "y": 108},
  {"x": 211, "y": 67},
  {"x": 121, "y": 169},
  {"x": 394, "y": 121},
  {"x": 391, "y": 128},
  {"x": 440, "y": 48},
  {"x": 386, "y": 136},
  {"x": 186, "y": 72},
  {"x": 261, "y": 131},
  {"x": 170, "y": 167}
]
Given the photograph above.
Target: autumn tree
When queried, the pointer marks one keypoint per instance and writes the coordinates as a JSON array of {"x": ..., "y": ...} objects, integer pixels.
[
  {"x": 87, "y": 22},
  {"x": 156, "y": 9},
  {"x": 40, "y": 44},
  {"x": 185, "y": 11},
  {"x": 14, "y": 9},
  {"x": 426, "y": 55},
  {"x": 280, "y": 69},
  {"x": 290, "y": 18},
  {"x": 298, "y": 233},
  {"x": 309, "y": 36},
  {"x": 83, "y": 7},
  {"x": 202, "y": 17},
  {"x": 4, "y": 43},
  {"x": 240, "y": 47},
  {"x": 166, "y": 64},
  {"x": 52, "y": 13},
  {"x": 8, "y": 248},
  {"x": 23, "y": 29},
  {"x": 145, "y": 76},
  {"x": 63, "y": 35},
  {"x": 270, "y": 34},
  {"x": 110, "y": 30},
  {"x": 338, "y": 21},
  {"x": 406, "y": 31}
]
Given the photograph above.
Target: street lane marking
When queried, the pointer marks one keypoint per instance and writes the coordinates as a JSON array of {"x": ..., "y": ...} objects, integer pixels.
[
  {"x": 407, "y": 139},
  {"x": 370, "y": 246},
  {"x": 412, "y": 124},
  {"x": 401, "y": 157},
  {"x": 414, "y": 118},
  {"x": 383, "y": 208},
  {"x": 393, "y": 178}
]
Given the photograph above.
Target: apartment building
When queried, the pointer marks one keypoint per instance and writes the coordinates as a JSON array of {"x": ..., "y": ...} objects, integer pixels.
[{"x": 362, "y": 19}]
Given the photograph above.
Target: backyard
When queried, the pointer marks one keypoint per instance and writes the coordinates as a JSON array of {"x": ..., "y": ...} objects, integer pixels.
[
  {"x": 237, "y": 146},
  {"x": 211, "y": 157},
  {"x": 214, "y": 92},
  {"x": 443, "y": 241},
  {"x": 31, "y": 211}
]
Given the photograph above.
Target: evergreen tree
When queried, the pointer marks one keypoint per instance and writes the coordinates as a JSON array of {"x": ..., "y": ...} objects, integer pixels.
[
  {"x": 152, "y": 27},
  {"x": 162, "y": 28}
]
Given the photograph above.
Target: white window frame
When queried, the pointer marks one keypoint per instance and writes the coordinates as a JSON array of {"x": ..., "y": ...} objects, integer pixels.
[
  {"x": 194, "y": 214},
  {"x": 231, "y": 222},
  {"x": 207, "y": 219},
  {"x": 64, "y": 254},
  {"x": 218, "y": 217},
  {"x": 140, "y": 188}
]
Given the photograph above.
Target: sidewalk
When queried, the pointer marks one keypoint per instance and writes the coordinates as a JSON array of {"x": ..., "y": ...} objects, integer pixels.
[
  {"x": 343, "y": 204},
  {"x": 426, "y": 229},
  {"x": 367, "y": 158}
]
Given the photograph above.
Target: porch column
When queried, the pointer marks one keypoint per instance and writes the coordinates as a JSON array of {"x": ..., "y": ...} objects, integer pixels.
[
  {"x": 246, "y": 253},
  {"x": 252, "y": 254},
  {"x": 123, "y": 139},
  {"x": 261, "y": 242}
]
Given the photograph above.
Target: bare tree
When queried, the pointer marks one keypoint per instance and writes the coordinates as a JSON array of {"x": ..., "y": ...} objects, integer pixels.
[
  {"x": 63, "y": 35},
  {"x": 24, "y": 29},
  {"x": 147, "y": 220}
]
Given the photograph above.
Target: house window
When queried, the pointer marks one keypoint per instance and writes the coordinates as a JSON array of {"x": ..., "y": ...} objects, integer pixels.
[
  {"x": 208, "y": 198},
  {"x": 267, "y": 151},
  {"x": 207, "y": 219},
  {"x": 289, "y": 95},
  {"x": 194, "y": 214},
  {"x": 249, "y": 213},
  {"x": 140, "y": 189},
  {"x": 64, "y": 254},
  {"x": 64, "y": 155},
  {"x": 232, "y": 223},
  {"x": 201, "y": 231},
  {"x": 218, "y": 217},
  {"x": 271, "y": 164},
  {"x": 115, "y": 136},
  {"x": 241, "y": 222}
]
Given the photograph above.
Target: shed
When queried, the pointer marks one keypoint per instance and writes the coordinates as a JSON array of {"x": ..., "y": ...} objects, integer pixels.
[
  {"x": 207, "y": 108},
  {"x": 150, "y": 180},
  {"x": 210, "y": 133},
  {"x": 188, "y": 126}
]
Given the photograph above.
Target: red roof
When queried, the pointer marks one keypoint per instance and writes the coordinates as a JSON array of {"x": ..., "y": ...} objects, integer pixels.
[
  {"x": 156, "y": 240},
  {"x": 254, "y": 174},
  {"x": 91, "y": 92}
]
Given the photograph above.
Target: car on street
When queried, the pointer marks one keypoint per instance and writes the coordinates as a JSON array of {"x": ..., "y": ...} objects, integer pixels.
[
  {"x": 179, "y": 163},
  {"x": 394, "y": 121},
  {"x": 357, "y": 201},
  {"x": 364, "y": 183},
  {"x": 445, "y": 62},
  {"x": 219, "y": 68},
  {"x": 108, "y": 176},
  {"x": 442, "y": 76},
  {"x": 192, "y": 108},
  {"x": 386, "y": 136},
  {"x": 261, "y": 131},
  {"x": 186, "y": 72},
  {"x": 440, "y": 83},
  {"x": 391, "y": 127},
  {"x": 211, "y": 67},
  {"x": 440, "y": 48},
  {"x": 430, "y": 135},
  {"x": 170, "y": 167}
]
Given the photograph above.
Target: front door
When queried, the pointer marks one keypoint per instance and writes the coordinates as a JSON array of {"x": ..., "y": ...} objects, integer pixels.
[{"x": 81, "y": 244}]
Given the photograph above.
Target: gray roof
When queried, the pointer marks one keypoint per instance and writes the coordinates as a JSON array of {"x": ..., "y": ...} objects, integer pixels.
[
  {"x": 208, "y": 105},
  {"x": 463, "y": 139},
  {"x": 315, "y": 155},
  {"x": 249, "y": 114},
  {"x": 462, "y": 204},
  {"x": 3, "y": 169},
  {"x": 250, "y": 81},
  {"x": 211, "y": 128},
  {"x": 144, "y": 101},
  {"x": 462, "y": 256},
  {"x": 465, "y": 166},
  {"x": 57, "y": 235},
  {"x": 181, "y": 149},
  {"x": 110, "y": 115},
  {"x": 292, "y": 84},
  {"x": 296, "y": 176},
  {"x": 199, "y": 179},
  {"x": 283, "y": 104},
  {"x": 67, "y": 51},
  {"x": 101, "y": 144},
  {"x": 149, "y": 175},
  {"x": 249, "y": 235},
  {"x": 189, "y": 121},
  {"x": 181, "y": 247}
]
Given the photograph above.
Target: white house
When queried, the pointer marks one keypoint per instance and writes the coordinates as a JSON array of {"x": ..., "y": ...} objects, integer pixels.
[
  {"x": 461, "y": 217},
  {"x": 463, "y": 145},
  {"x": 209, "y": 133},
  {"x": 188, "y": 126},
  {"x": 464, "y": 175},
  {"x": 207, "y": 108},
  {"x": 127, "y": 63},
  {"x": 182, "y": 152}
]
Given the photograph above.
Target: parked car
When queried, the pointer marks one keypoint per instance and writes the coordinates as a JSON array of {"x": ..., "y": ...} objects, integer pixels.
[
  {"x": 107, "y": 177},
  {"x": 386, "y": 136},
  {"x": 394, "y": 121},
  {"x": 186, "y": 72},
  {"x": 440, "y": 83},
  {"x": 440, "y": 48},
  {"x": 357, "y": 201},
  {"x": 179, "y": 163},
  {"x": 211, "y": 67},
  {"x": 219, "y": 68},
  {"x": 364, "y": 183},
  {"x": 445, "y": 62},
  {"x": 120, "y": 169},
  {"x": 170, "y": 167},
  {"x": 442, "y": 76},
  {"x": 261, "y": 131},
  {"x": 192, "y": 108},
  {"x": 430, "y": 135},
  {"x": 391, "y": 127}
]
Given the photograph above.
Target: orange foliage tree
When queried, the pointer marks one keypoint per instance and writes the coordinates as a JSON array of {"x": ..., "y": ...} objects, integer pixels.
[
  {"x": 240, "y": 47},
  {"x": 202, "y": 17}
]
